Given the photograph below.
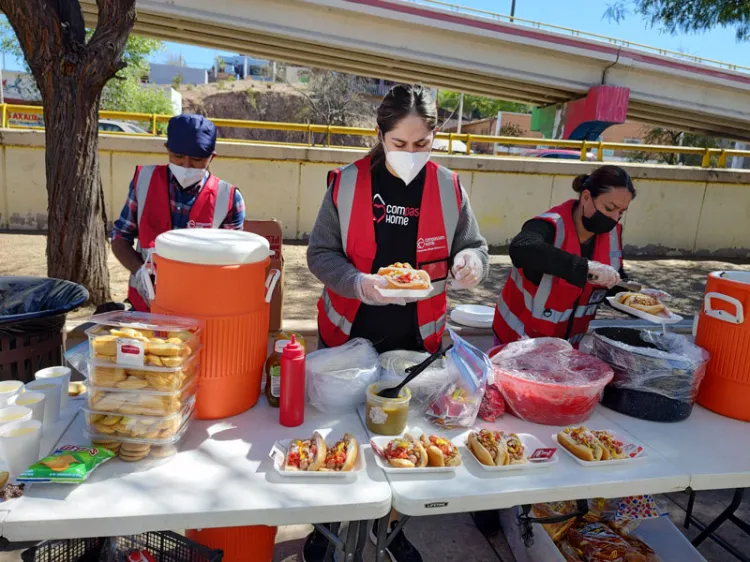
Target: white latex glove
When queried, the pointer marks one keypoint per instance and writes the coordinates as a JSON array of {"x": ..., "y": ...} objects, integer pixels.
[
  {"x": 603, "y": 275},
  {"x": 144, "y": 285},
  {"x": 366, "y": 291},
  {"x": 467, "y": 270}
]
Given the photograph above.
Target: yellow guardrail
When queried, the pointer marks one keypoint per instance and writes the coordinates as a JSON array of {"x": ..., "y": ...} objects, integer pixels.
[
  {"x": 710, "y": 157},
  {"x": 578, "y": 33}
]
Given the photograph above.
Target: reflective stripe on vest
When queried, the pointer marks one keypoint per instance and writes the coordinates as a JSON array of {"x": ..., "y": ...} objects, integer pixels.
[
  {"x": 335, "y": 318},
  {"x": 510, "y": 319},
  {"x": 432, "y": 328}
]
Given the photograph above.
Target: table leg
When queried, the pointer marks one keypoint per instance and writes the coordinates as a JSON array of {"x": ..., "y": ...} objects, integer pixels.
[
  {"x": 725, "y": 515},
  {"x": 352, "y": 539},
  {"x": 382, "y": 536},
  {"x": 364, "y": 529},
  {"x": 333, "y": 541},
  {"x": 689, "y": 512}
]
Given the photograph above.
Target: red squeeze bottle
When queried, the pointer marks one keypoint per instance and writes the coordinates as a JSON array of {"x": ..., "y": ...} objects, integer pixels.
[{"x": 292, "y": 399}]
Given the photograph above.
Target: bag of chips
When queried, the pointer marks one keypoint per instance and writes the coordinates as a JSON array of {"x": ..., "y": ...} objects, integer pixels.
[{"x": 69, "y": 464}]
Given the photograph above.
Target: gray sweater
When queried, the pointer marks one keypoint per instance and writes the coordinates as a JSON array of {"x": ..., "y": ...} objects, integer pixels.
[{"x": 328, "y": 262}]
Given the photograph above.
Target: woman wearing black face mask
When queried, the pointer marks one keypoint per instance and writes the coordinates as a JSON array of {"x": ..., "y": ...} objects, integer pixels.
[{"x": 565, "y": 261}]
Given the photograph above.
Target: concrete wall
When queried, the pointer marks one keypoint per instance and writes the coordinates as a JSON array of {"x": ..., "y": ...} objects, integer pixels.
[{"x": 679, "y": 211}]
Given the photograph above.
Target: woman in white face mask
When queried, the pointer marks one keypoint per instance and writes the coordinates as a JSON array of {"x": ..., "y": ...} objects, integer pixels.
[{"x": 395, "y": 205}]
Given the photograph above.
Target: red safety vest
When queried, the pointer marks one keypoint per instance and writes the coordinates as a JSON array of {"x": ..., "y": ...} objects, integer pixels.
[
  {"x": 211, "y": 207},
  {"x": 555, "y": 308},
  {"x": 438, "y": 219}
]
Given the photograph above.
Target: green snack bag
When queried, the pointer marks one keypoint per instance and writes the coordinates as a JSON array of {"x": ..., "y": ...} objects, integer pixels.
[{"x": 69, "y": 464}]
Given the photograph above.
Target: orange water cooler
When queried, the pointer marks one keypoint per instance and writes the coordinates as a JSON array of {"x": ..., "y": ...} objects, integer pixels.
[
  {"x": 724, "y": 331},
  {"x": 219, "y": 276}
]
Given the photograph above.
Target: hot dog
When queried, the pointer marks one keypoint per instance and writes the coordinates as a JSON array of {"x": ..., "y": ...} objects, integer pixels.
[
  {"x": 404, "y": 276},
  {"x": 342, "y": 456},
  {"x": 639, "y": 301},
  {"x": 582, "y": 443},
  {"x": 440, "y": 451},
  {"x": 406, "y": 452},
  {"x": 612, "y": 446},
  {"x": 306, "y": 454},
  {"x": 488, "y": 447}
]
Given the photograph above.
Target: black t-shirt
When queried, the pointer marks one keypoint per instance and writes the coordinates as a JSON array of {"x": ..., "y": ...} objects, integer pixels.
[{"x": 396, "y": 213}]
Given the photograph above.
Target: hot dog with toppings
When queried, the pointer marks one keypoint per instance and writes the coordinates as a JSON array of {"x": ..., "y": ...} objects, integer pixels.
[
  {"x": 306, "y": 454},
  {"x": 406, "y": 452},
  {"x": 342, "y": 456},
  {"x": 440, "y": 451}
]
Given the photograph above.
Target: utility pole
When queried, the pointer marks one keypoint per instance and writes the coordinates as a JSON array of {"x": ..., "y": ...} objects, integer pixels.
[
  {"x": 460, "y": 113},
  {"x": 512, "y": 10}
]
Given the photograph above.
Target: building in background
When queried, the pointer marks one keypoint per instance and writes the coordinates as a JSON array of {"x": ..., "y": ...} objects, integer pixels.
[{"x": 165, "y": 74}]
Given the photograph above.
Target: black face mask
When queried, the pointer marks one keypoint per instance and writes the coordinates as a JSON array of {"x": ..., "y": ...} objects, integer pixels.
[{"x": 598, "y": 223}]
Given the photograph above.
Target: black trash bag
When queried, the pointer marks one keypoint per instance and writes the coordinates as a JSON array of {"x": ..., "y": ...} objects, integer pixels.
[{"x": 37, "y": 304}]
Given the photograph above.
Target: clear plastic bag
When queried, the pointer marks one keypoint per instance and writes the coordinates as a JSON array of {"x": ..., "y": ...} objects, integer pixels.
[
  {"x": 393, "y": 365},
  {"x": 338, "y": 377},
  {"x": 546, "y": 381},
  {"x": 457, "y": 403},
  {"x": 666, "y": 364},
  {"x": 77, "y": 357}
]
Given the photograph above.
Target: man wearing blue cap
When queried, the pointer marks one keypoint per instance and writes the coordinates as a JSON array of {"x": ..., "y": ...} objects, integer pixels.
[{"x": 183, "y": 194}]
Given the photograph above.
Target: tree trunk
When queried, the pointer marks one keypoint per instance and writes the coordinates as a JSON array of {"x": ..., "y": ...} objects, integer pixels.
[
  {"x": 71, "y": 72},
  {"x": 77, "y": 237}
]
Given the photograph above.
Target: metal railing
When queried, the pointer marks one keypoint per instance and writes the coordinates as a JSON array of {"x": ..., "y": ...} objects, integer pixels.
[
  {"x": 710, "y": 157},
  {"x": 577, "y": 33}
]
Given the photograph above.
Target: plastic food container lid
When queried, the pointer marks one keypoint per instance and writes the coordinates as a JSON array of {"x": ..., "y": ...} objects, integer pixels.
[
  {"x": 209, "y": 246},
  {"x": 185, "y": 391},
  {"x": 143, "y": 321}
]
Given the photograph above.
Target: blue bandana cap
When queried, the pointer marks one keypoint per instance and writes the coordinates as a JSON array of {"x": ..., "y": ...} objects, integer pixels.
[{"x": 191, "y": 135}]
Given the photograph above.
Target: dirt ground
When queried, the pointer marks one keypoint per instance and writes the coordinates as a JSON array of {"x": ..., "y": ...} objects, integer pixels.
[{"x": 24, "y": 254}]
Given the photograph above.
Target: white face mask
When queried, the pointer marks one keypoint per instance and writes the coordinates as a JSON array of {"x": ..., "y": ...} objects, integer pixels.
[
  {"x": 187, "y": 177},
  {"x": 407, "y": 165}
]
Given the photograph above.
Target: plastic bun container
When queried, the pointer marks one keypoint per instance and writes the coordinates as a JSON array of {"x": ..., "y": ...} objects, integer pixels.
[
  {"x": 546, "y": 381},
  {"x": 393, "y": 365},
  {"x": 657, "y": 376},
  {"x": 338, "y": 377}
]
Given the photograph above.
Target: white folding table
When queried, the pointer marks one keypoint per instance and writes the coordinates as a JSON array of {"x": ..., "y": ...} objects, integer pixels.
[
  {"x": 713, "y": 449},
  {"x": 471, "y": 488},
  {"x": 222, "y": 477}
]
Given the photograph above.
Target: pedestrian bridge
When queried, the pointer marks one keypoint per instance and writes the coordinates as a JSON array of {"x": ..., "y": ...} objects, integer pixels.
[{"x": 426, "y": 42}]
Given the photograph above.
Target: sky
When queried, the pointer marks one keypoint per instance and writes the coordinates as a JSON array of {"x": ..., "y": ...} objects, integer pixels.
[{"x": 585, "y": 15}]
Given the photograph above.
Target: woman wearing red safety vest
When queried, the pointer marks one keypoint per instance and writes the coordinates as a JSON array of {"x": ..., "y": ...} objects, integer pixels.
[
  {"x": 565, "y": 261},
  {"x": 393, "y": 206}
]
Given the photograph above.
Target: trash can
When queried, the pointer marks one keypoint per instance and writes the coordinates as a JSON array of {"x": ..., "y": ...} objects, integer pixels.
[{"x": 32, "y": 320}]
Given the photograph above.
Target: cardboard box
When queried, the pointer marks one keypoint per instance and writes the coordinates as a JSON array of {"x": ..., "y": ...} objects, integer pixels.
[{"x": 271, "y": 230}]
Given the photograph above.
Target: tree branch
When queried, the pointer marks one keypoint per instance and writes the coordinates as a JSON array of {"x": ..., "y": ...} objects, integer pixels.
[{"x": 116, "y": 19}]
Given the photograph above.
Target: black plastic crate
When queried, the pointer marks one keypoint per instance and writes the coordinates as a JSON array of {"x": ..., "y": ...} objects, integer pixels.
[{"x": 165, "y": 546}]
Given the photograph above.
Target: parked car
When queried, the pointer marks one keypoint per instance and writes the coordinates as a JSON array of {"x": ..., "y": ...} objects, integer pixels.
[
  {"x": 557, "y": 153},
  {"x": 107, "y": 126}
]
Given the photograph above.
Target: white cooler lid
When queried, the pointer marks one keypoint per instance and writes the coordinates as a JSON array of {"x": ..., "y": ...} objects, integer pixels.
[{"x": 212, "y": 246}]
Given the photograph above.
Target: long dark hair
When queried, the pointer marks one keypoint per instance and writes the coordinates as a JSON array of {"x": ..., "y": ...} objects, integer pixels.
[
  {"x": 402, "y": 100},
  {"x": 604, "y": 180}
]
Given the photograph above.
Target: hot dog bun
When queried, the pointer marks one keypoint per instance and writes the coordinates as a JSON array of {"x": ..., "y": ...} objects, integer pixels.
[
  {"x": 413, "y": 446},
  {"x": 488, "y": 456},
  {"x": 436, "y": 456},
  {"x": 574, "y": 439},
  {"x": 639, "y": 301},
  {"x": 316, "y": 461},
  {"x": 350, "y": 445},
  {"x": 403, "y": 276}
]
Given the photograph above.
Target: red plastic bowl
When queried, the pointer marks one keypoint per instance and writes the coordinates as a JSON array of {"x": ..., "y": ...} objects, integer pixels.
[{"x": 553, "y": 396}]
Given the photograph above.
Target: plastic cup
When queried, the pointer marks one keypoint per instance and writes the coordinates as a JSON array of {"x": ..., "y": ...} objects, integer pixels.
[
  {"x": 14, "y": 414},
  {"x": 34, "y": 401},
  {"x": 19, "y": 445},
  {"x": 61, "y": 375},
  {"x": 51, "y": 392},
  {"x": 8, "y": 390}
]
